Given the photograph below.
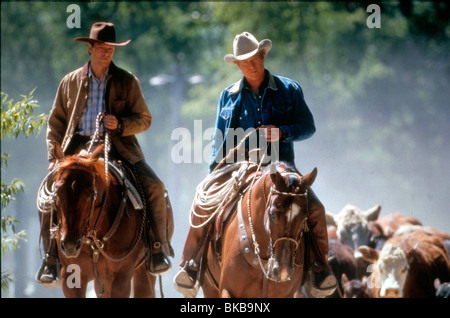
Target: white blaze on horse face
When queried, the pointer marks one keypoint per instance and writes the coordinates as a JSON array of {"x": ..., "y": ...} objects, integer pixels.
[
  {"x": 294, "y": 212},
  {"x": 392, "y": 266}
]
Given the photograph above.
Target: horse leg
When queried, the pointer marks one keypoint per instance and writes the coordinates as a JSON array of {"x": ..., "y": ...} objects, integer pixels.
[
  {"x": 143, "y": 283},
  {"x": 121, "y": 286},
  {"x": 209, "y": 287},
  {"x": 73, "y": 284}
]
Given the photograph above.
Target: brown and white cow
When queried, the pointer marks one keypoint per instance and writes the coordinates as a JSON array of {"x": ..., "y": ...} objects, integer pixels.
[
  {"x": 407, "y": 265},
  {"x": 390, "y": 223}
]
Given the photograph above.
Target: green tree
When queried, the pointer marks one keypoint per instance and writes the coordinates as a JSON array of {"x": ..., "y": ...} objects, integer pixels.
[{"x": 17, "y": 118}]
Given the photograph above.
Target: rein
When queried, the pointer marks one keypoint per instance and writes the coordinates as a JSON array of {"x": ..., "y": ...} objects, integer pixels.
[{"x": 95, "y": 242}]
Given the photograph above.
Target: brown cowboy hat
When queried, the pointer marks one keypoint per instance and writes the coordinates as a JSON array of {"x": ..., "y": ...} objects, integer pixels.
[
  {"x": 103, "y": 32},
  {"x": 245, "y": 45}
]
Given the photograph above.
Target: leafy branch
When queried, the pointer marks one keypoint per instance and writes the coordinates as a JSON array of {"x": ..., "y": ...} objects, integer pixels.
[{"x": 17, "y": 118}]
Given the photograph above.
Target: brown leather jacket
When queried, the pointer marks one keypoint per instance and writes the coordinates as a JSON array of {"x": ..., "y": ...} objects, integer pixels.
[{"x": 123, "y": 98}]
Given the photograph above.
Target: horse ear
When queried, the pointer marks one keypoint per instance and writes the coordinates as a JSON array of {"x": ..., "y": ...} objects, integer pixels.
[
  {"x": 311, "y": 177},
  {"x": 57, "y": 151},
  {"x": 276, "y": 178},
  {"x": 98, "y": 151}
]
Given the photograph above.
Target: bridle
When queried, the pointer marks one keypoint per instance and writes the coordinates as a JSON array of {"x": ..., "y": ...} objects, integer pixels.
[
  {"x": 304, "y": 224},
  {"x": 303, "y": 228},
  {"x": 90, "y": 231}
]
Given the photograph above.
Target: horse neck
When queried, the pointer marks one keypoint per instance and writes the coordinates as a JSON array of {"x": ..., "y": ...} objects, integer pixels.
[
  {"x": 112, "y": 202},
  {"x": 108, "y": 202},
  {"x": 259, "y": 196}
]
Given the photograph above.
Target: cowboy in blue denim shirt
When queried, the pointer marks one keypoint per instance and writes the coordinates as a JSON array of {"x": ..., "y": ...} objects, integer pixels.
[{"x": 276, "y": 105}]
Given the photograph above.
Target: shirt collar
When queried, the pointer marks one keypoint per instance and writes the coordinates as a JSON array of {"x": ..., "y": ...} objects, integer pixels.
[
  {"x": 91, "y": 74},
  {"x": 237, "y": 87}
]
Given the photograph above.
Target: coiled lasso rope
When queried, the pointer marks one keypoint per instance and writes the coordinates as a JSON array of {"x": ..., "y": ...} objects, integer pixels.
[{"x": 213, "y": 200}]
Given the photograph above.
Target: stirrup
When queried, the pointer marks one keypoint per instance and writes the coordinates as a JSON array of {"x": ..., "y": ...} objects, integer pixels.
[
  {"x": 43, "y": 272},
  {"x": 162, "y": 266},
  {"x": 326, "y": 288},
  {"x": 185, "y": 284}
]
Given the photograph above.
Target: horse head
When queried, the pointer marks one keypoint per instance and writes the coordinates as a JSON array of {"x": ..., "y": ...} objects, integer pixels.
[
  {"x": 79, "y": 188},
  {"x": 286, "y": 216}
]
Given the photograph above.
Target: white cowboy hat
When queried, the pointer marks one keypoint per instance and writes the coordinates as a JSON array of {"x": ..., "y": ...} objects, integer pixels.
[{"x": 245, "y": 46}]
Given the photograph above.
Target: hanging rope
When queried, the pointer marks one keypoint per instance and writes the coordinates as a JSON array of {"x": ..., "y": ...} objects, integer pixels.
[{"x": 97, "y": 139}]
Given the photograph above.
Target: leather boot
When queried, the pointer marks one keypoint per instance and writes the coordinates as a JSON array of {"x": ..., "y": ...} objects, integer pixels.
[
  {"x": 158, "y": 262},
  {"x": 186, "y": 280},
  {"x": 320, "y": 280},
  {"x": 48, "y": 275}
]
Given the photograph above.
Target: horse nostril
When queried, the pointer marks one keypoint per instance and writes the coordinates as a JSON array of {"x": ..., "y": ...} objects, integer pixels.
[
  {"x": 275, "y": 270},
  {"x": 63, "y": 247},
  {"x": 79, "y": 242}
]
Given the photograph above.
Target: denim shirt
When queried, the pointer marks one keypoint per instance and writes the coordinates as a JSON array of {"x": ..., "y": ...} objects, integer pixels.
[{"x": 282, "y": 105}]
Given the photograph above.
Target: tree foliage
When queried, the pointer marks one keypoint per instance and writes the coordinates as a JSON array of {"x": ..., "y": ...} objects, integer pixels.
[{"x": 17, "y": 118}]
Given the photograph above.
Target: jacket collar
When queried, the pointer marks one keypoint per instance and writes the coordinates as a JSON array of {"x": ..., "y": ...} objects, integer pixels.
[
  {"x": 237, "y": 87},
  {"x": 111, "y": 71}
]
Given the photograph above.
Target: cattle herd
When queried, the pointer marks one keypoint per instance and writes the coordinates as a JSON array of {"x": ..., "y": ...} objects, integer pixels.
[{"x": 390, "y": 256}]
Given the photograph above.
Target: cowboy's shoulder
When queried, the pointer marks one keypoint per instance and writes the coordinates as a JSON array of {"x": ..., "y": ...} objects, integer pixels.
[
  {"x": 121, "y": 74},
  {"x": 286, "y": 82},
  {"x": 233, "y": 88},
  {"x": 72, "y": 75},
  {"x": 75, "y": 75}
]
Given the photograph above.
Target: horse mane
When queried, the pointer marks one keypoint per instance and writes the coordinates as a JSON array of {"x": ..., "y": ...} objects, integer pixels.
[
  {"x": 83, "y": 162},
  {"x": 288, "y": 167}
]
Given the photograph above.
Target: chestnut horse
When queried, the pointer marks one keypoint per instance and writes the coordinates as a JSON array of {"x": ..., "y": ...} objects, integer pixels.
[
  {"x": 100, "y": 236},
  {"x": 263, "y": 243}
]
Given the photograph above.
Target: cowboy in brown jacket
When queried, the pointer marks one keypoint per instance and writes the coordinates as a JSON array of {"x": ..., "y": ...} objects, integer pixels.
[{"x": 101, "y": 86}]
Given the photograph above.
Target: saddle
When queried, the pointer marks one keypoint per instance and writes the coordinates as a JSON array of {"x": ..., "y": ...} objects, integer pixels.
[{"x": 120, "y": 171}]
